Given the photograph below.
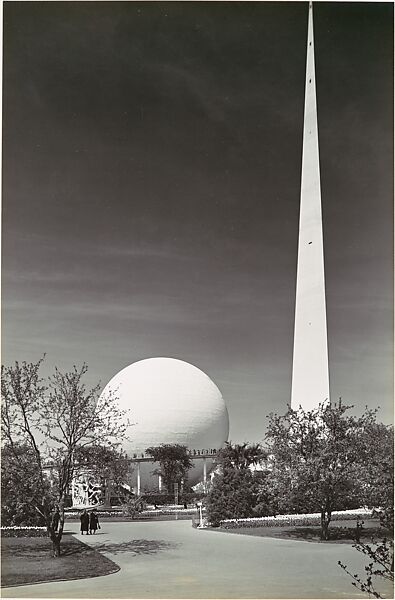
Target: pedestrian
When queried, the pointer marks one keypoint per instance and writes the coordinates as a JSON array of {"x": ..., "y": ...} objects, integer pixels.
[
  {"x": 84, "y": 518},
  {"x": 93, "y": 522}
]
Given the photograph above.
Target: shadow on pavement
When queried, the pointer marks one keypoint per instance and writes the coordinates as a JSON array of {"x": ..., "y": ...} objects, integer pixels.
[
  {"x": 68, "y": 551},
  {"x": 136, "y": 547}
]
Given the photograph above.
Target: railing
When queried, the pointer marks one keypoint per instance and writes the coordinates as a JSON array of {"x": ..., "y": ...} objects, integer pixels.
[
  {"x": 137, "y": 456},
  {"x": 192, "y": 453}
]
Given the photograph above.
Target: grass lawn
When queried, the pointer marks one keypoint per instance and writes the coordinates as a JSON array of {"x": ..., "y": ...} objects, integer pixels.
[
  {"x": 342, "y": 532},
  {"x": 29, "y": 560}
]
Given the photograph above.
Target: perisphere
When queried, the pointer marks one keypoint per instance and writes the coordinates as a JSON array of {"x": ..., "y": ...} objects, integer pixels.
[{"x": 170, "y": 401}]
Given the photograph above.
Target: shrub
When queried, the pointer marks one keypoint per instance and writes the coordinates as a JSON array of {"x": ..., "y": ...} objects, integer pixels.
[
  {"x": 21, "y": 486},
  {"x": 233, "y": 495},
  {"x": 23, "y": 531}
]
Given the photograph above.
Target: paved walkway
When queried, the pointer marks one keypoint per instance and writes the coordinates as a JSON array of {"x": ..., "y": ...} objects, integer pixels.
[{"x": 170, "y": 559}]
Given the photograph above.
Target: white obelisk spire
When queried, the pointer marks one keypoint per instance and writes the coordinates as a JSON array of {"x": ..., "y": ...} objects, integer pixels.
[{"x": 310, "y": 372}]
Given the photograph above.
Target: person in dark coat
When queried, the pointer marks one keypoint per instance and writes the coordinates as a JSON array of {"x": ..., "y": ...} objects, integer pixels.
[
  {"x": 93, "y": 522},
  {"x": 84, "y": 518}
]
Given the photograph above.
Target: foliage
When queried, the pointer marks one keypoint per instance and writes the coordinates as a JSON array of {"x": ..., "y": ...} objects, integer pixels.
[
  {"x": 380, "y": 554},
  {"x": 133, "y": 506},
  {"x": 234, "y": 494},
  {"x": 241, "y": 456},
  {"x": 67, "y": 416},
  {"x": 238, "y": 491},
  {"x": 376, "y": 473},
  {"x": 316, "y": 459},
  {"x": 107, "y": 464},
  {"x": 174, "y": 463},
  {"x": 103, "y": 461},
  {"x": 28, "y": 532},
  {"x": 381, "y": 565},
  {"x": 21, "y": 486}
]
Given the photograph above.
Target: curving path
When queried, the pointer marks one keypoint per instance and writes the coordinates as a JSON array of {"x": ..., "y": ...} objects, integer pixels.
[{"x": 170, "y": 559}]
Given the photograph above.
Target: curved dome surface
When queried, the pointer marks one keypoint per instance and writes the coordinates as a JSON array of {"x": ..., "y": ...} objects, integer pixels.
[{"x": 170, "y": 402}]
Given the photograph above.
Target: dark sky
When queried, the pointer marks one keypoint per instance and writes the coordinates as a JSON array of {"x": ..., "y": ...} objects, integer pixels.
[{"x": 151, "y": 179}]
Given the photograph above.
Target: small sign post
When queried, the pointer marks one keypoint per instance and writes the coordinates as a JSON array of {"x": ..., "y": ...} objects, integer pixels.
[{"x": 200, "y": 526}]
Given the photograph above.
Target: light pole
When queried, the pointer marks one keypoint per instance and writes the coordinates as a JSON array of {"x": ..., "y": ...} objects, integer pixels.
[{"x": 200, "y": 526}]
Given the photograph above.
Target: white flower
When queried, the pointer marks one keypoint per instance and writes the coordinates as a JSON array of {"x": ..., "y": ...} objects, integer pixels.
[{"x": 22, "y": 528}]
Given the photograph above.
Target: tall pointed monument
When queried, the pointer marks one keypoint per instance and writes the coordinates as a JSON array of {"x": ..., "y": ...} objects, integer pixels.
[{"x": 310, "y": 371}]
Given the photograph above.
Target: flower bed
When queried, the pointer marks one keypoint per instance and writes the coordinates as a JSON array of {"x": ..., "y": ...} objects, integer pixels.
[
  {"x": 168, "y": 511},
  {"x": 21, "y": 531},
  {"x": 168, "y": 499},
  {"x": 100, "y": 513},
  {"x": 294, "y": 520}
]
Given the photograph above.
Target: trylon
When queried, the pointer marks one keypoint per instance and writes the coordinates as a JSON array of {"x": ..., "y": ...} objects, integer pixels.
[{"x": 310, "y": 371}]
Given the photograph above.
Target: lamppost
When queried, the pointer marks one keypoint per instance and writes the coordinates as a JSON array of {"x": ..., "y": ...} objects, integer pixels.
[{"x": 200, "y": 526}]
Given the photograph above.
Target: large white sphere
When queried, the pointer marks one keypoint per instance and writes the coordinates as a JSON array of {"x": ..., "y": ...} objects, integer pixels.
[{"x": 170, "y": 402}]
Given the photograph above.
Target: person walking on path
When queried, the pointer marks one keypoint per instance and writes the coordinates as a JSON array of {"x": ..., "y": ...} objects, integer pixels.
[
  {"x": 84, "y": 518},
  {"x": 93, "y": 522}
]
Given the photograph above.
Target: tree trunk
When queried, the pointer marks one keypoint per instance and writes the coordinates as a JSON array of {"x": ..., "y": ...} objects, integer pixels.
[
  {"x": 55, "y": 529},
  {"x": 56, "y": 547}
]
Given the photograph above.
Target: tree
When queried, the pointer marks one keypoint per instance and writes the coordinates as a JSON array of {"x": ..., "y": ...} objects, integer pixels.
[
  {"x": 174, "y": 463},
  {"x": 377, "y": 479},
  {"x": 66, "y": 416},
  {"x": 233, "y": 495},
  {"x": 21, "y": 488},
  {"x": 241, "y": 456},
  {"x": 316, "y": 458},
  {"x": 238, "y": 491},
  {"x": 106, "y": 464},
  {"x": 377, "y": 468}
]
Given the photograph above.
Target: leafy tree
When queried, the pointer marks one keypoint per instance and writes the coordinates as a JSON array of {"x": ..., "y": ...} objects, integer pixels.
[
  {"x": 174, "y": 463},
  {"x": 377, "y": 479},
  {"x": 21, "y": 486},
  {"x": 238, "y": 491},
  {"x": 233, "y": 495},
  {"x": 241, "y": 456},
  {"x": 316, "y": 458},
  {"x": 377, "y": 468},
  {"x": 54, "y": 421},
  {"x": 106, "y": 464}
]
